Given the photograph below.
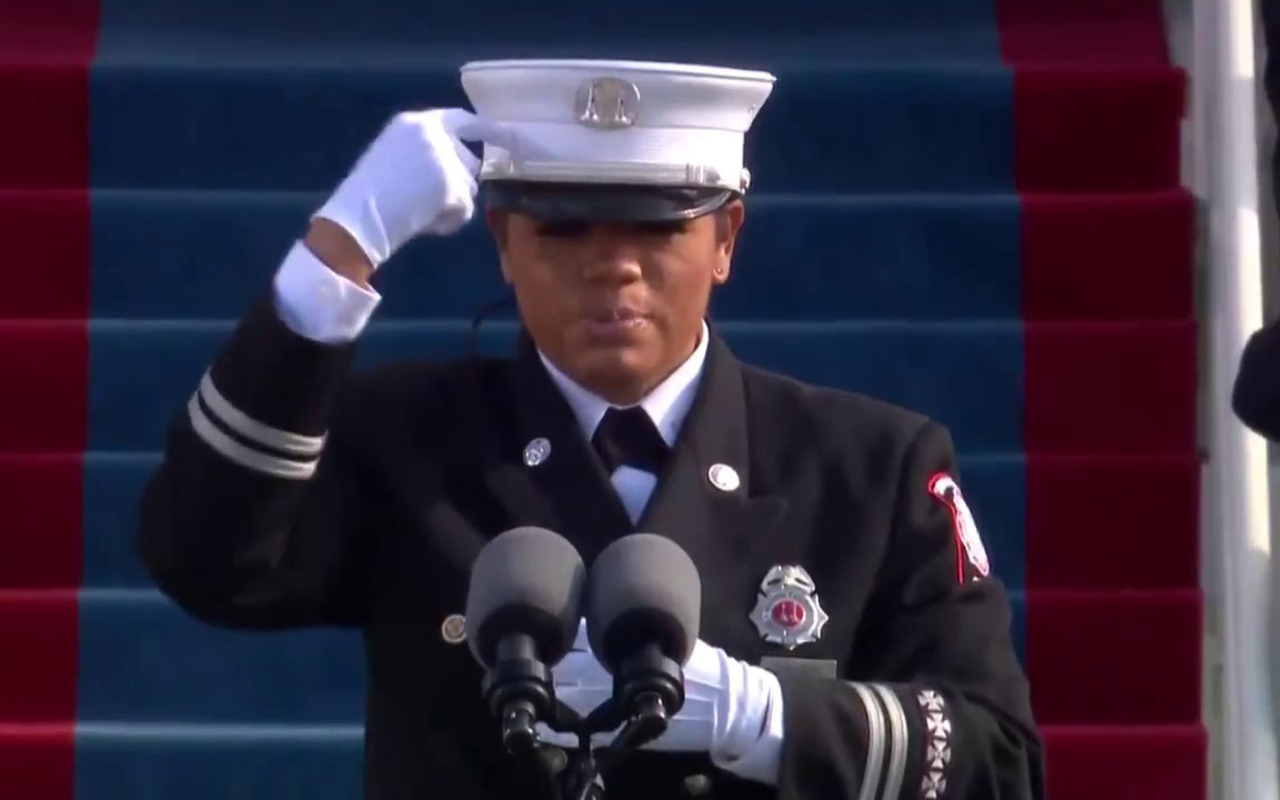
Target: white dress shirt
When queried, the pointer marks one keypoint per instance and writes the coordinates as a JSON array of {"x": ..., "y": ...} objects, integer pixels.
[
  {"x": 667, "y": 405},
  {"x": 315, "y": 302}
]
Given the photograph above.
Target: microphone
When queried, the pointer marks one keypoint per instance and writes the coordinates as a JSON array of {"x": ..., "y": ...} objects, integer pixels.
[
  {"x": 643, "y": 610},
  {"x": 524, "y": 601}
]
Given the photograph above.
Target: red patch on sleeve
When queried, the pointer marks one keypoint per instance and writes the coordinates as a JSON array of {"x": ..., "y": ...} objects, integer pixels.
[{"x": 969, "y": 546}]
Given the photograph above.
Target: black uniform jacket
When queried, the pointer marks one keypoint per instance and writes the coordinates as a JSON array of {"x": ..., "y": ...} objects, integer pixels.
[
  {"x": 1256, "y": 394},
  {"x": 245, "y": 525}
]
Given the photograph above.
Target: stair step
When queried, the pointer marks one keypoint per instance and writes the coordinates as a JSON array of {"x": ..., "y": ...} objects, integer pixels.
[
  {"x": 1077, "y": 383},
  {"x": 207, "y": 763},
  {"x": 908, "y": 178},
  {"x": 1114, "y": 657},
  {"x": 70, "y": 520},
  {"x": 208, "y": 254},
  {"x": 958, "y": 44},
  {"x": 317, "y": 676},
  {"x": 625, "y": 27},
  {"x": 1083, "y": 31},
  {"x": 1124, "y": 763},
  {"x": 897, "y": 128},
  {"x": 872, "y": 129}
]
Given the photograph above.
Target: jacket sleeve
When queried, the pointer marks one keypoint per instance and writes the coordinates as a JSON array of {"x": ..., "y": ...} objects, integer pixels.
[
  {"x": 1255, "y": 397},
  {"x": 934, "y": 703},
  {"x": 259, "y": 514}
]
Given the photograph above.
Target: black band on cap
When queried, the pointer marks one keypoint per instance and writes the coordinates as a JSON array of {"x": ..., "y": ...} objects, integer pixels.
[{"x": 586, "y": 202}]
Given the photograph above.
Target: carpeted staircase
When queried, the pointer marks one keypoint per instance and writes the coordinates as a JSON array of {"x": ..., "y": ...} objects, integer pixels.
[{"x": 972, "y": 210}]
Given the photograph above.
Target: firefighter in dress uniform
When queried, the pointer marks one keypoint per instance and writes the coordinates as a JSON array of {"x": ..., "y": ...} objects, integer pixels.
[{"x": 855, "y": 643}]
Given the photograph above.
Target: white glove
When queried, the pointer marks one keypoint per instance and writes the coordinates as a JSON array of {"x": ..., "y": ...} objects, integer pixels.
[
  {"x": 416, "y": 177},
  {"x": 723, "y": 711}
]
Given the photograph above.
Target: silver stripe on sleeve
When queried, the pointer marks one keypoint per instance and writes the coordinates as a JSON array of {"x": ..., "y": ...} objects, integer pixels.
[
  {"x": 937, "y": 731},
  {"x": 899, "y": 739},
  {"x": 874, "y": 767},
  {"x": 257, "y": 432},
  {"x": 224, "y": 445}
]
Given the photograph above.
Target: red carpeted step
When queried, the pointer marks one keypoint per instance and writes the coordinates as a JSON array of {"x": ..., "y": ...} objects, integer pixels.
[
  {"x": 45, "y": 52},
  {"x": 44, "y": 408},
  {"x": 48, "y": 239},
  {"x": 37, "y": 762},
  {"x": 65, "y": 31},
  {"x": 50, "y": 97},
  {"x": 1115, "y": 657},
  {"x": 1110, "y": 388},
  {"x": 1069, "y": 116},
  {"x": 1082, "y": 31},
  {"x": 40, "y": 537},
  {"x": 1109, "y": 522},
  {"x": 1152, "y": 762},
  {"x": 1089, "y": 75},
  {"x": 1139, "y": 246},
  {"x": 38, "y": 678}
]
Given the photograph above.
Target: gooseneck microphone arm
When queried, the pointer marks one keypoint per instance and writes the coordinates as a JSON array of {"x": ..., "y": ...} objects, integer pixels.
[
  {"x": 648, "y": 689},
  {"x": 524, "y": 603},
  {"x": 650, "y": 686},
  {"x": 643, "y": 608},
  {"x": 518, "y": 690}
]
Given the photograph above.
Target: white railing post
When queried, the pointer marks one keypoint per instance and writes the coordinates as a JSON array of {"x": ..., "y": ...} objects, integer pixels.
[{"x": 1236, "y": 526}]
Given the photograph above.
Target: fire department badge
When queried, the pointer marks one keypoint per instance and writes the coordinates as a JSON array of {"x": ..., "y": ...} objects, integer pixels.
[
  {"x": 787, "y": 611},
  {"x": 944, "y": 487}
]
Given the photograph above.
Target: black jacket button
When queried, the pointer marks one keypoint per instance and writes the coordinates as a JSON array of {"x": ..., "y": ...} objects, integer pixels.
[{"x": 697, "y": 785}]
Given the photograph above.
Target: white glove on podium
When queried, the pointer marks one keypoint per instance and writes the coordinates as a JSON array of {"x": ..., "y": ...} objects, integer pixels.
[
  {"x": 732, "y": 710},
  {"x": 416, "y": 177}
]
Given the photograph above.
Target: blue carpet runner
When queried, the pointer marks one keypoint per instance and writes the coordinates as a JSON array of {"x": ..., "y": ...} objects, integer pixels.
[{"x": 968, "y": 207}]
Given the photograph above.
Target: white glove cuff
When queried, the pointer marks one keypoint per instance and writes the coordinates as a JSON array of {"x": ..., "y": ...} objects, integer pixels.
[
  {"x": 319, "y": 304},
  {"x": 740, "y": 708},
  {"x": 751, "y": 746},
  {"x": 358, "y": 215}
]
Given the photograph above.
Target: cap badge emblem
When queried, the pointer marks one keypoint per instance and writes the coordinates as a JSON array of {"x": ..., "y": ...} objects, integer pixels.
[
  {"x": 787, "y": 610},
  {"x": 607, "y": 104}
]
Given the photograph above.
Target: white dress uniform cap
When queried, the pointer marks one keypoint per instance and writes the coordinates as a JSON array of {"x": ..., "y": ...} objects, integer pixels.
[{"x": 618, "y": 123}]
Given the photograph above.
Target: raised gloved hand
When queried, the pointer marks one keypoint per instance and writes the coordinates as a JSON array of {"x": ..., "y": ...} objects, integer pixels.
[
  {"x": 416, "y": 177},
  {"x": 725, "y": 701}
]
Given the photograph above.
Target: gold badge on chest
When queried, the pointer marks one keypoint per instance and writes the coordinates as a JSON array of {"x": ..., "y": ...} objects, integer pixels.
[{"x": 787, "y": 611}]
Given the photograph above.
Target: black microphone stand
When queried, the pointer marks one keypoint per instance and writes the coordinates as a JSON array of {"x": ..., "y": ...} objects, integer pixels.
[
  {"x": 648, "y": 691},
  {"x": 520, "y": 692}
]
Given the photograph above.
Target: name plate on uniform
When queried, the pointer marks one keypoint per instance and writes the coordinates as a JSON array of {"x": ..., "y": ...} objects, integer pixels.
[{"x": 817, "y": 667}]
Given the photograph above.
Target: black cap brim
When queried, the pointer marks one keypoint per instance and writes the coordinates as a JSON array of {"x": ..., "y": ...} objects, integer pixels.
[{"x": 582, "y": 202}]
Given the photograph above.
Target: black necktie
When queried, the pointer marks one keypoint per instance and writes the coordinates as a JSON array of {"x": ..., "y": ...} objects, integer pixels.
[{"x": 628, "y": 437}]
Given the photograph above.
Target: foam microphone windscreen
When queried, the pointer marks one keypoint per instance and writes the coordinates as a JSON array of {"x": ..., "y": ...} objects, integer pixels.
[
  {"x": 526, "y": 581},
  {"x": 643, "y": 589}
]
